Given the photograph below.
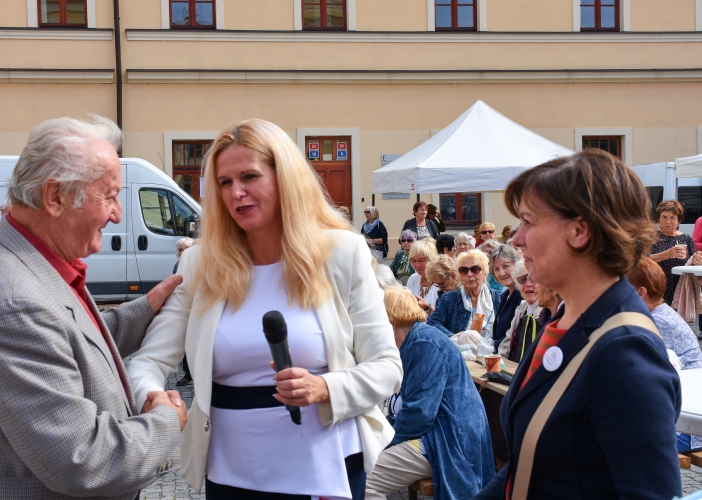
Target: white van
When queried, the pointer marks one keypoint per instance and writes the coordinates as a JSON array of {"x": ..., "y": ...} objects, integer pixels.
[
  {"x": 661, "y": 184},
  {"x": 139, "y": 252}
]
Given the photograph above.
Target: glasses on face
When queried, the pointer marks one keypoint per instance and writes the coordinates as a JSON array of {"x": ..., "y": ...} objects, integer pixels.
[
  {"x": 406, "y": 241},
  {"x": 463, "y": 270},
  {"x": 489, "y": 231},
  {"x": 523, "y": 279},
  {"x": 366, "y": 211},
  {"x": 417, "y": 261}
]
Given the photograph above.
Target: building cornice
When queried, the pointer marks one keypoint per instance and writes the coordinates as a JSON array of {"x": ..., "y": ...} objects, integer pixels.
[
  {"x": 55, "y": 34},
  {"x": 409, "y": 37},
  {"x": 36, "y": 75},
  {"x": 411, "y": 77}
]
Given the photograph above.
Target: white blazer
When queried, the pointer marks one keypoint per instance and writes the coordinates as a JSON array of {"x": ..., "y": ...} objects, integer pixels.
[{"x": 364, "y": 363}]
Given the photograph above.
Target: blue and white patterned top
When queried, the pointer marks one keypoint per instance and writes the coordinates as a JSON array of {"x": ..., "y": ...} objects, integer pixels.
[{"x": 678, "y": 336}]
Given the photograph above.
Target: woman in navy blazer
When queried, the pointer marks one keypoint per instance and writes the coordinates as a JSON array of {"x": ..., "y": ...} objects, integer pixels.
[{"x": 584, "y": 224}]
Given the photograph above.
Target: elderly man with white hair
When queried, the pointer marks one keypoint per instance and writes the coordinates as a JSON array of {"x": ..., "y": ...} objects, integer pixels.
[{"x": 68, "y": 423}]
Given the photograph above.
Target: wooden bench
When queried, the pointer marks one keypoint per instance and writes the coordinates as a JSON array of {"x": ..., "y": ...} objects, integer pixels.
[
  {"x": 695, "y": 457},
  {"x": 425, "y": 486}
]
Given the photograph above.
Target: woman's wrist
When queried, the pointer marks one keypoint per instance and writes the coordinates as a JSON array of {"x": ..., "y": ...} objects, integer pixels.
[{"x": 322, "y": 390}]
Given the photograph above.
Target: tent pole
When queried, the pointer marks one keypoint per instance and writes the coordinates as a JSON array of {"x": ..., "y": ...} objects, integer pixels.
[
  {"x": 417, "y": 196},
  {"x": 373, "y": 199}
]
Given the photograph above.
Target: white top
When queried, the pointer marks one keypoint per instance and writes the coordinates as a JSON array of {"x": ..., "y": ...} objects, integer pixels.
[
  {"x": 414, "y": 286},
  {"x": 262, "y": 449}
]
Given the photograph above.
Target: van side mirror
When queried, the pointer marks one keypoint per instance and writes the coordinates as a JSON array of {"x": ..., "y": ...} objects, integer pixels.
[{"x": 193, "y": 225}]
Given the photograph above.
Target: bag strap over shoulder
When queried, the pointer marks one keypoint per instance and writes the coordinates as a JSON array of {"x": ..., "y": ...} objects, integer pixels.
[{"x": 536, "y": 425}]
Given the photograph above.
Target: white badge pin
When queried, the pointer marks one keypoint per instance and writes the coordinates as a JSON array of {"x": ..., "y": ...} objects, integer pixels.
[{"x": 553, "y": 358}]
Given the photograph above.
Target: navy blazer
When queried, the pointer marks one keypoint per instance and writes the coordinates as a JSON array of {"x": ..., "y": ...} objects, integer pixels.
[
  {"x": 451, "y": 316},
  {"x": 612, "y": 435}
]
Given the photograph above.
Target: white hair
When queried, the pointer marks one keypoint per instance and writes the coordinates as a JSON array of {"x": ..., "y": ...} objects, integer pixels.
[
  {"x": 182, "y": 245},
  {"x": 5, "y": 205},
  {"x": 386, "y": 277},
  {"x": 465, "y": 237},
  {"x": 519, "y": 268},
  {"x": 60, "y": 149}
]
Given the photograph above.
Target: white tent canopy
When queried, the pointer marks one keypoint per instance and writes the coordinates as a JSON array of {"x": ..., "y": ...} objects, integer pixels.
[
  {"x": 480, "y": 151},
  {"x": 688, "y": 167}
]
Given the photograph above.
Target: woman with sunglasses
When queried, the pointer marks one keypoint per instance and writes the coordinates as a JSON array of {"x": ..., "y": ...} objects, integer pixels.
[
  {"x": 487, "y": 231},
  {"x": 375, "y": 233},
  {"x": 525, "y": 323},
  {"x": 400, "y": 265},
  {"x": 585, "y": 223},
  {"x": 422, "y": 227},
  {"x": 455, "y": 310}
]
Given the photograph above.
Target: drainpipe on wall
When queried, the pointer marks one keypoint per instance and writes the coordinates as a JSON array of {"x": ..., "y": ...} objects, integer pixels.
[{"x": 118, "y": 64}]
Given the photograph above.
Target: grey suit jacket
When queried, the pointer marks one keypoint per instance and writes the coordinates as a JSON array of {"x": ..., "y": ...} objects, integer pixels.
[{"x": 67, "y": 429}]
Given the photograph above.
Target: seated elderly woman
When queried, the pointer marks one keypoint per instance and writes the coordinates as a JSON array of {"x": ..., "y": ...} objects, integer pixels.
[
  {"x": 455, "y": 309},
  {"x": 524, "y": 327},
  {"x": 487, "y": 248},
  {"x": 400, "y": 265},
  {"x": 650, "y": 282},
  {"x": 442, "y": 430},
  {"x": 440, "y": 272},
  {"x": 426, "y": 292},
  {"x": 464, "y": 242}
]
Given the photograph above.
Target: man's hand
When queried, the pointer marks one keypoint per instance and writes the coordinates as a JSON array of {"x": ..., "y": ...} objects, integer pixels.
[
  {"x": 298, "y": 387},
  {"x": 158, "y": 295},
  {"x": 170, "y": 398}
]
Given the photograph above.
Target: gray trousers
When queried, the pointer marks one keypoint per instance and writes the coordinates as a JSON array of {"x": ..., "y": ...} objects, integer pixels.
[{"x": 397, "y": 467}]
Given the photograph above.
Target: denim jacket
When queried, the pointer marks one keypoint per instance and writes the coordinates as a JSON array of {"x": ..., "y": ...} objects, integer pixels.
[
  {"x": 441, "y": 405},
  {"x": 451, "y": 316}
]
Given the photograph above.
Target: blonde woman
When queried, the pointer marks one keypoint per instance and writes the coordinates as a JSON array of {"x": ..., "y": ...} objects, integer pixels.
[
  {"x": 440, "y": 271},
  {"x": 426, "y": 292},
  {"x": 455, "y": 310},
  {"x": 441, "y": 430},
  {"x": 261, "y": 251}
]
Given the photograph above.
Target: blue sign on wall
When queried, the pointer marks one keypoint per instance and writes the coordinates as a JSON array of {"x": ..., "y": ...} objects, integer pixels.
[
  {"x": 314, "y": 154},
  {"x": 341, "y": 154}
]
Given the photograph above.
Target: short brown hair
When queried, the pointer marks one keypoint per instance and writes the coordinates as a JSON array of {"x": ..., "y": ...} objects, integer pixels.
[
  {"x": 649, "y": 275},
  {"x": 418, "y": 205},
  {"x": 671, "y": 206},
  {"x": 608, "y": 196},
  {"x": 402, "y": 307}
]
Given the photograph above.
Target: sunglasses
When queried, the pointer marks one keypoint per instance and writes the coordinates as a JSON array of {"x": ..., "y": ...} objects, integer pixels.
[
  {"x": 473, "y": 269},
  {"x": 406, "y": 241},
  {"x": 489, "y": 231},
  {"x": 523, "y": 279},
  {"x": 366, "y": 211}
]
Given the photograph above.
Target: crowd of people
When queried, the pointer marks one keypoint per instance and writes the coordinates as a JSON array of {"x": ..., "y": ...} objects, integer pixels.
[
  {"x": 375, "y": 393},
  {"x": 458, "y": 277}
]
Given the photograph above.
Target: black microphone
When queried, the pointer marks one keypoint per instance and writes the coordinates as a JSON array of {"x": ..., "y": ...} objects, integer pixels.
[{"x": 276, "y": 331}]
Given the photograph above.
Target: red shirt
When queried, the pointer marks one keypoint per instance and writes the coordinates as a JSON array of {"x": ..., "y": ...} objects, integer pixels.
[
  {"x": 552, "y": 334},
  {"x": 72, "y": 273}
]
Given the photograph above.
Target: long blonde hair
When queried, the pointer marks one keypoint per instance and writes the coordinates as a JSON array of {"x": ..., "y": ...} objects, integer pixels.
[{"x": 225, "y": 266}]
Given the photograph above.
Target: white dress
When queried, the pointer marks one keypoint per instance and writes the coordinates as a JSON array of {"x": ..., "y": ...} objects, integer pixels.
[{"x": 262, "y": 449}]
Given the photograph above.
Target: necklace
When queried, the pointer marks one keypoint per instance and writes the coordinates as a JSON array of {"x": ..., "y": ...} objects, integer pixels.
[{"x": 423, "y": 289}]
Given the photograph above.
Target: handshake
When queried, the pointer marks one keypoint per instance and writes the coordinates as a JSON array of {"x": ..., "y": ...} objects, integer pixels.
[{"x": 167, "y": 398}]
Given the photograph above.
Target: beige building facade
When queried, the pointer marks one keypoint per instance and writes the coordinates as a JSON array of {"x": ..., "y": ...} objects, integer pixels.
[{"x": 366, "y": 78}]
